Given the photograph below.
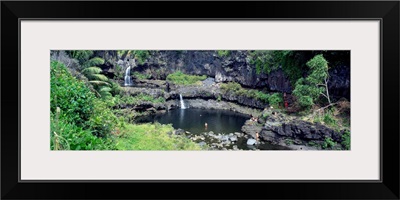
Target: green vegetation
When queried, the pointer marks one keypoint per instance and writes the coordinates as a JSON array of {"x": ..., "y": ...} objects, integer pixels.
[
  {"x": 153, "y": 137},
  {"x": 274, "y": 99},
  {"x": 141, "y": 76},
  {"x": 141, "y": 56},
  {"x": 328, "y": 143},
  {"x": 89, "y": 111},
  {"x": 238, "y": 90},
  {"x": 89, "y": 68},
  {"x": 81, "y": 121},
  {"x": 313, "y": 144},
  {"x": 184, "y": 79},
  {"x": 346, "y": 140},
  {"x": 223, "y": 53},
  {"x": 264, "y": 61},
  {"x": 289, "y": 141},
  {"x": 135, "y": 100},
  {"x": 308, "y": 90}
]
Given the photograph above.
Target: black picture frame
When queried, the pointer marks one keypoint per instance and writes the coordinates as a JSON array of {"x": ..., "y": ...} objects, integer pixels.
[{"x": 386, "y": 11}]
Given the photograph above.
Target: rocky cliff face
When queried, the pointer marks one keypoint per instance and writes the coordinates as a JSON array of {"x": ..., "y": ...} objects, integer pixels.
[{"x": 234, "y": 67}]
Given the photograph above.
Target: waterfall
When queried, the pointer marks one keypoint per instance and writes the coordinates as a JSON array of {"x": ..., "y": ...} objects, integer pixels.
[
  {"x": 182, "y": 103},
  {"x": 128, "y": 79}
]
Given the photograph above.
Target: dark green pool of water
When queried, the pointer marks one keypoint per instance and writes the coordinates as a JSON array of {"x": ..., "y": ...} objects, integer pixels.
[{"x": 193, "y": 120}]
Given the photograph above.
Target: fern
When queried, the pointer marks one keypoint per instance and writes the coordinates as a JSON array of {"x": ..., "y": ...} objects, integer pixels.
[
  {"x": 99, "y": 83},
  {"x": 94, "y": 62},
  {"x": 91, "y": 70},
  {"x": 105, "y": 92}
]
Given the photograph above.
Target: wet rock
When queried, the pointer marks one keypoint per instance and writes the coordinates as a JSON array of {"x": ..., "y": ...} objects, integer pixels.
[
  {"x": 179, "y": 131},
  {"x": 251, "y": 142},
  {"x": 233, "y": 138},
  {"x": 202, "y": 143},
  {"x": 224, "y": 138}
]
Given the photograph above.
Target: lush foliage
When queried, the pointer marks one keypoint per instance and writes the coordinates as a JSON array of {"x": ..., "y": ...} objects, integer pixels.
[
  {"x": 89, "y": 68},
  {"x": 68, "y": 136},
  {"x": 328, "y": 143},
  {"x": 274, "y": 99},
  {"x": 265, "y": 61},
  {"x": 346, "y": 139},
  {"x": 141, "y": 55},
  {"x": 70, "y": 95},
  {"x": 141, "y": 76},
  {"x": 223, "y": 53},
  {"x": 135, "y": 100},
  {"x": 184, "y": 79},
  {"x": 76, "y": 114},
  {"x": 308, "y": 89},
  {"x": 153, "y": 137},
  {"x": 80, "y": 121}
]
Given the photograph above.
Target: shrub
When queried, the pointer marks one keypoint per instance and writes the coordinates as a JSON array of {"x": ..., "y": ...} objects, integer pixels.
[
  {"x": 70, "y": 95},
  {"x": 103, "y": 121},
  {"x": 251, "y": 93},
  {"x": 184, "y": 79},
  {"x": 223, "y": 53},
  {"x": 328, "y": 143},
  {"x": 141, "y": 56},
  {"x": 275, "y": 99},
  {"x": 308, "y": 90},
  {"x": 346, "y": 140}
]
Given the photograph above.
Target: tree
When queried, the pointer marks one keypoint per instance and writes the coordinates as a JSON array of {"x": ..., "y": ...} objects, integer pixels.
[
  {"x": 308, "y": 90},
  {"x": 89, "y": 68}
]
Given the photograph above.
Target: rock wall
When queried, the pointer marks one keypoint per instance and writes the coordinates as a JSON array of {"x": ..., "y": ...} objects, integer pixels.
[{"x": 234, "y": 67}]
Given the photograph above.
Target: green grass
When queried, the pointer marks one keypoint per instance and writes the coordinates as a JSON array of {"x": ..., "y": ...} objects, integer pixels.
[
  {"x": 141, "y": 76},
  {"x": 180, "y": 78},
  {"x": 346, "y": 140},
  {"x": 135, "y": 100},
  {"x": 153, "y": 137},
  {"x": 251, "y": 93}
]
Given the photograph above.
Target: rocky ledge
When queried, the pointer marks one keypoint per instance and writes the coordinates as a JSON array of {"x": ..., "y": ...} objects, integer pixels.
[{"x": 281, "y": 129}]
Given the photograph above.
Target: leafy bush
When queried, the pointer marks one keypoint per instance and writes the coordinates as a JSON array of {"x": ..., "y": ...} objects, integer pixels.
[
  {"x": 184, "y": 79},
  {"x": 308, "y": 90},
  {"x": 135, "y": 100},
  {"x": 328, "y": 143},
  {"x": 346, "y": 139},
  {"x": 70, "y": 95},
  {"x": 115, "y": 88},
  {"x": 223, "y": 53},
  {"x": 251, "y": 93},
  {"x": 275, "y": 99}
]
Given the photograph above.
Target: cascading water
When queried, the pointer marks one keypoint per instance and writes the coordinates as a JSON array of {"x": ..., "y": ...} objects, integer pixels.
[
  {"x": 128, "y": 79},
  {"x": 182, "y": 103}
]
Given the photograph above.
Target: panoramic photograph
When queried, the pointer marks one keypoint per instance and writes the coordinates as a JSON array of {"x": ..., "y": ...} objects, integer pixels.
[{"x": 200, "y": 100}]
